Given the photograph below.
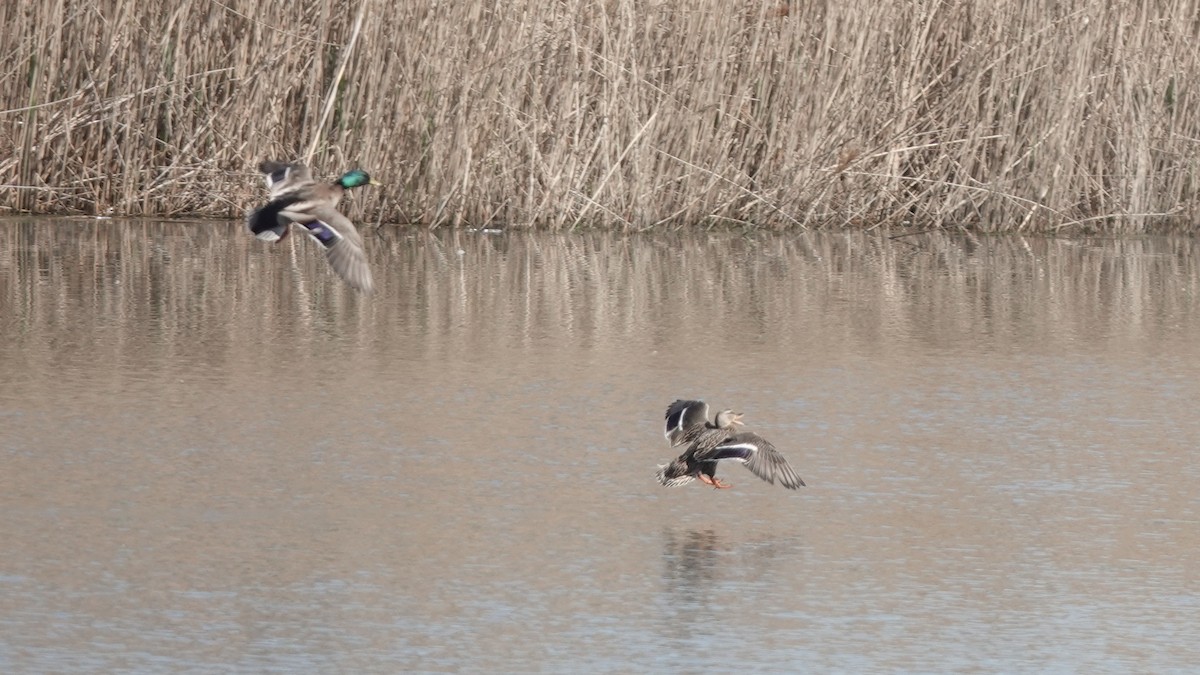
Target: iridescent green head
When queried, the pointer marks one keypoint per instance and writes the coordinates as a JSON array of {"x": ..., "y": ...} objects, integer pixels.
[{"x": 356, "y": 178}]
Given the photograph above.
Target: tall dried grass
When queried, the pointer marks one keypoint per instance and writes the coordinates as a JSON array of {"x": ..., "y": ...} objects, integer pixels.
[{"x": 1007, "y": 116}]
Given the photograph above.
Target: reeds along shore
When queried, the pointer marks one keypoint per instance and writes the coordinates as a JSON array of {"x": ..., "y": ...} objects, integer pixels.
[{"x": 638, "y": 114}]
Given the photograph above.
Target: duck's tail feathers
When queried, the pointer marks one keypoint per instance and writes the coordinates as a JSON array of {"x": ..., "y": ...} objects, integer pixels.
[
  {"x": 272, "y": 235},
  {"x": 669, "y": 475},
  {"x": 266, "y": 224}
]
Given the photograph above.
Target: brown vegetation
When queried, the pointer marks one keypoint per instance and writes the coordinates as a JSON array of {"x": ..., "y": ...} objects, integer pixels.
[{"x": 634, "y": 113}]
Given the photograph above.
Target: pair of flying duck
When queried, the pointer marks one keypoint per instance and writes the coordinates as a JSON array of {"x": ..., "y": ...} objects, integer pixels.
[{"x": 297, "y": 199}]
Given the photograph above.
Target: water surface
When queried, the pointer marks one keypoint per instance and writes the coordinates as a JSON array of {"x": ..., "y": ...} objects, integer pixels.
[{"x": 215, "y": 457}]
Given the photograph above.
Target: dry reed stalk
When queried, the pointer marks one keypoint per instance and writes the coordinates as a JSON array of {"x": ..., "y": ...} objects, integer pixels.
[{"x": 631, "y": 113}]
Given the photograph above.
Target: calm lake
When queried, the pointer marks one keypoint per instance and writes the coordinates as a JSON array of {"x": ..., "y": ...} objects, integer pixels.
[{"x": 216, "y": 457}]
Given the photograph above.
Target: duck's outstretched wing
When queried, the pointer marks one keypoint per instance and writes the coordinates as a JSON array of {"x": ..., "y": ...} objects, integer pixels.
[
  {"x": 682, "y": 417},
  {"x": 343, "y": 245},
  {"x": 758, "y": 455},
  {"x": 282, "y": 177}
]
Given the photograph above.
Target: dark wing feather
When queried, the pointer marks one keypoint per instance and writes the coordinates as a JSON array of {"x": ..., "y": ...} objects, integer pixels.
[
  {"x": 758, "y": 455},
  {"x": 266, "y": 223},
  {"x": 682, "y": 419}
]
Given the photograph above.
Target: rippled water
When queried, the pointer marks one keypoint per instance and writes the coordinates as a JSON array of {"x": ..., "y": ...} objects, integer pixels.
[{"x": 215, "y": 457}]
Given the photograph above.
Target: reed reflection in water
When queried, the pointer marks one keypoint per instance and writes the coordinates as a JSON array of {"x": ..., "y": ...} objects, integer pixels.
[{"x": 215, "y": 456}]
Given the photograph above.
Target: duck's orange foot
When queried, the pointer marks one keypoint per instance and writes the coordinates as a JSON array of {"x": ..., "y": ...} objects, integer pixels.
[{"x": 713, "y": 481}]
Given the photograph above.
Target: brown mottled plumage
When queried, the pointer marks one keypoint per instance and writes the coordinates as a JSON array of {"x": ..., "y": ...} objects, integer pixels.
[{"x": 712, "y": 442}]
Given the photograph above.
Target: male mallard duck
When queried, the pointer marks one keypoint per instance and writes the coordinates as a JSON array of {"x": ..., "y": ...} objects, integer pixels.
[
  {"x": 711, "y": 442},
  {"x": 297, "y": 198}
]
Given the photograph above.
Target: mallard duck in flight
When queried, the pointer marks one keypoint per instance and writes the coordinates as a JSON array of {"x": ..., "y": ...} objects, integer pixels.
[
  {"x": 715, "y": 441},
  {"x": 296, "y": 198}
]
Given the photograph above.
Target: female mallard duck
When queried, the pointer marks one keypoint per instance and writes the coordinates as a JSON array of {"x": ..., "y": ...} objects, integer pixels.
[
  {"x": 296, "y": 198},
  {"x": 712, "y": 442}
]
